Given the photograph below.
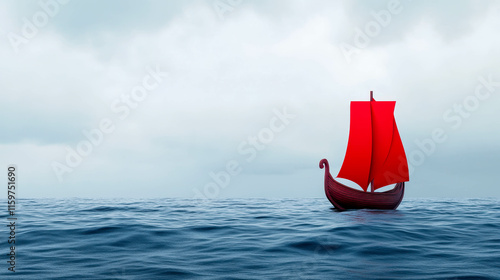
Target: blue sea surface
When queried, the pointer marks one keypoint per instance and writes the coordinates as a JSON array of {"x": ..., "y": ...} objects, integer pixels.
[{"x": 253, "y": 239}]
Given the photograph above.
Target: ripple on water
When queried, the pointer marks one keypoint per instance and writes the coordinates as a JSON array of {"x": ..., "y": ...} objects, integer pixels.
[{"x": 256, "y": 239}]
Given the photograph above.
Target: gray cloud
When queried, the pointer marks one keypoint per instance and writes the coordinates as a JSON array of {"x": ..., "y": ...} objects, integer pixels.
[{"x": 225, "y": 79}]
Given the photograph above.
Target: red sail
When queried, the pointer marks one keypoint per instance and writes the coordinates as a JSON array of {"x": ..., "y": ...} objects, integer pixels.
[
  {"x": 395, "y": 168},
  {"x": 375, "y": 152},
  {"x": 356, "y": 166},
  {"x": 382, "y": 113}
]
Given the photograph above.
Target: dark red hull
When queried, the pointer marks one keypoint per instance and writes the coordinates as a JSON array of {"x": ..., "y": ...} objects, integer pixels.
[{"x": 343, "y": 197}]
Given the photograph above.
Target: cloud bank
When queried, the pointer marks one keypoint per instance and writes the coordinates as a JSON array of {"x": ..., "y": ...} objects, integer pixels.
[{"x": 230, "y": 65}]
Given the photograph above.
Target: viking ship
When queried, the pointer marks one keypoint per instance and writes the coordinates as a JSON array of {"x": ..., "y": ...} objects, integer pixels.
[{"x": 375, "y": 157}]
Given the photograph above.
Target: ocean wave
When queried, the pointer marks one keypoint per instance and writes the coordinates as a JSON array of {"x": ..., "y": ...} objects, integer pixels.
[{"x": 256, "y": 239}]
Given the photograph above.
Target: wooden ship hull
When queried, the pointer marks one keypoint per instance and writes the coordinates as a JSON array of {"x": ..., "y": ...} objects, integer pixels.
[{"x": 344, "y": 197}]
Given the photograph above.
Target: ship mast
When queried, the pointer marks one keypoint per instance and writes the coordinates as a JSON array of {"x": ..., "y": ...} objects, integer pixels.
[{"x": 371, "y": 183}]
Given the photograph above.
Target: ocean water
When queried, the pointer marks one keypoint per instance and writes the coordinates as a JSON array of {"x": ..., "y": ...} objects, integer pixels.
[{"x": 254, "y": 239}]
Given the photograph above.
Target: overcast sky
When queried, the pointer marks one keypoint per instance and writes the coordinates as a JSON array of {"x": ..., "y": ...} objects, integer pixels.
[{"x": 147, "y": 98}]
